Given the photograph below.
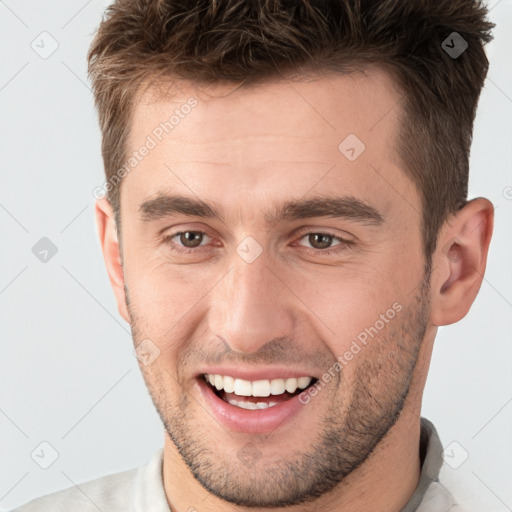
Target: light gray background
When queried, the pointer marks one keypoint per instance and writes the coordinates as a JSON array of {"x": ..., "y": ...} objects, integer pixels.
[{"x": 68, "y": 374}]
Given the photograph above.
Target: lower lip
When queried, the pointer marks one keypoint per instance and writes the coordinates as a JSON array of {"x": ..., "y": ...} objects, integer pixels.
[{"x": 249, "y": 421}]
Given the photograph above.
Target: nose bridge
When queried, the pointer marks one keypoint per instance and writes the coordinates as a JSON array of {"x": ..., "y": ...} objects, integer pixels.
[{"x": 248, "y": 308}]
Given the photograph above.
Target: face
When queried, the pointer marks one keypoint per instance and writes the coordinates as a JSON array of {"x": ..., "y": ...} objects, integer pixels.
[{"x": 272, "y": 233}]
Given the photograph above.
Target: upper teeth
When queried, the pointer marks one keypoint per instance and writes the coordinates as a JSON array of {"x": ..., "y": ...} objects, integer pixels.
[{"x": 257, "y": 387}]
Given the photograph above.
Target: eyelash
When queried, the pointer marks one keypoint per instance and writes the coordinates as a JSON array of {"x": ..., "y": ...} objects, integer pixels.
[{"x": 345, "y": 244}]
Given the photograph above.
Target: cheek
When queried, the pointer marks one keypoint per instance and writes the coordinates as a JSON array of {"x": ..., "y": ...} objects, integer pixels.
[
  {"x": 160, "y": 302},
  {"x": 349, "y": 302},
  {"x": 159, "y": 285}
]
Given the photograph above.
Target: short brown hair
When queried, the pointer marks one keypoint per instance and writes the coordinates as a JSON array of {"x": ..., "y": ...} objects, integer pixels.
[{"x": 248, "y": 41}]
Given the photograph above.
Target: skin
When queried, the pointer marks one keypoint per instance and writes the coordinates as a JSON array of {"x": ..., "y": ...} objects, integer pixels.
[{"x": 354, "y": 446}]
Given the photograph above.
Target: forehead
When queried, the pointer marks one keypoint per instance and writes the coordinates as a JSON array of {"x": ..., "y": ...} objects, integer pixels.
[
  {"x": 308, "y": 106},
  {"x": 280, "y": 138}
]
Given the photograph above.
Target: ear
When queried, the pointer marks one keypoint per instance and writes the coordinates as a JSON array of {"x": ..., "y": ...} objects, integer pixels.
[
  {"x": 458, "y": 263},
  {"x": 107, "y": 232}
]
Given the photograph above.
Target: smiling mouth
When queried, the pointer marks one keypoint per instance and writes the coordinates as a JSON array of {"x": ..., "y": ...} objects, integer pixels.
[{"x": 261, "y": 394}]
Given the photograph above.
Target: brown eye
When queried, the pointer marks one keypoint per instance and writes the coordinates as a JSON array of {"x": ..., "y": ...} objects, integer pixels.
[
  {"x": 320, "y": 240},
  {"x": 185, "y": 241},
  {"x": 190, "y": 239},
  {"x": 320, "y": 243}
]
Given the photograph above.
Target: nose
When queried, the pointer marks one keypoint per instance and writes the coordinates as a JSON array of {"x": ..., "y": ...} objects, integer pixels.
[{"x": 251, "y": 305}]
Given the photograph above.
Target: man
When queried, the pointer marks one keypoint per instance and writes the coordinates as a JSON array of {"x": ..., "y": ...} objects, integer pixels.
[{"x": 285, "y": 227}]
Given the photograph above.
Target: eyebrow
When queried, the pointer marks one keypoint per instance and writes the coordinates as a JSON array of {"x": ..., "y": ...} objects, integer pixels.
[{"x": 335, "y": 207}]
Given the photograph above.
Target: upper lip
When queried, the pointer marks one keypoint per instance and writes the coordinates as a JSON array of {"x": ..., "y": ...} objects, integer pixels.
[{"x": 252, "y": 374}]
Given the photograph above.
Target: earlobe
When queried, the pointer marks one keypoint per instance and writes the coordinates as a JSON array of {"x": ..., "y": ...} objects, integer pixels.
[
  {"x": 460, "y": 261},
  {"x": 109, "y": 241}
]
